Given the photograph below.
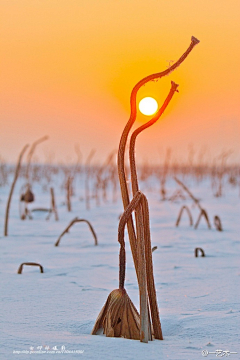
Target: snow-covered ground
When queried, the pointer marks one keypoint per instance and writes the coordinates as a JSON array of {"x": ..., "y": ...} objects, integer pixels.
[{"x": 198, "y": 297}]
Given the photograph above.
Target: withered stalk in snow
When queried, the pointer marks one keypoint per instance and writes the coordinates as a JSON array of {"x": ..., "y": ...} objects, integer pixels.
[
  {"x": 119, "y": 317},
  {"x": 53, "y": 208},
  {"x": 101, "y": 183},
  {"x": 124, "y": 138},
  {"x": 87, "y": 178},
  {"x": 184, "y": 207},
  {"x": 138, "y": 251},
  {"x": 164, "y": 175},
  {"x": 140, "y": 245},
  {"x": 29, "y": 264},
  {"x": 201, "y": 251},
  {"x": 203, "y": 212},
  {"x": 220, "y": 171},
  {"x": 196, "y": 201},
  {"x": 28, "y": 195},
  {"x": 74, "y": 221},
  {"x": 30, "y": 154},
  {"x": 217, "y": 223},
  {"x": 69, "y": 192},
  {"x": 12, "y": 189},
  {"x": 146, "y": 278}
]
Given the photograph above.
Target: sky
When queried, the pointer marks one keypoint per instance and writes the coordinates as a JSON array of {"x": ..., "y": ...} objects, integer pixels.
[{"x": 68, "y": 68}]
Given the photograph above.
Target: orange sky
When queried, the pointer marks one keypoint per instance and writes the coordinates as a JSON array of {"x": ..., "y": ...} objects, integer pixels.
[{"x": 68, "y": 68}]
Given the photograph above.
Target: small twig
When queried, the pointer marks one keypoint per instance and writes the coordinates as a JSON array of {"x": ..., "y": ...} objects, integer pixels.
[
  {"x": 30, "y": 264},
  {"x": 76, "y": 220}
]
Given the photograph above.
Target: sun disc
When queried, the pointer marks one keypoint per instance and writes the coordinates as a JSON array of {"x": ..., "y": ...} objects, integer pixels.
[{"x": 148, "y": 106}]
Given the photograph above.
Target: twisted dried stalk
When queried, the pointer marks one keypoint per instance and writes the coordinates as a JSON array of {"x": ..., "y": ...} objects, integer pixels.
[
  {"x": 12, "y": 189},
  {"x": 145, "y": 264},
  {"x": 119, "y": 317},
  {"x": 138, "y": 251},
  {"x": 124, "y": 137}
]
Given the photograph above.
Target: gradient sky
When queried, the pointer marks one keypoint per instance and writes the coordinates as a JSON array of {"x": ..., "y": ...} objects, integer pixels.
[{"x": 68, "y": 68}]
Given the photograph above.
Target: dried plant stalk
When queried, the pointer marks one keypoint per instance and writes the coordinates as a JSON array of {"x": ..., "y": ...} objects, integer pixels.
[
  {"x": 201, "y": 250},
  {"x": 124, "y": 137},
  {"x": 69, "y": 192},
  {"x": 50, "y": 210},
  {"x": 30, "y": 264},
  {"x": 196, "y": 201},
  {"x": 217, "y": 223},
  {"x": 74, "y": 221},
  {"x": 184, "y": 207},
  {"x": 204, "y": 214},
  {"x": 30, "y": 154},
  {"x": 12, "y": 189},
  {"x": 87, "y": 168},
  {"x": 117, "y": 301},
  {"x": 164, "y": 176},
  {"x": 142, "y": 223},
  {"x": 119, "y": 317},
  {"x": 53, "y": 208}
]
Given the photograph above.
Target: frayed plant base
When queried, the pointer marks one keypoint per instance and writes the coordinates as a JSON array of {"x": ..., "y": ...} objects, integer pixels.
[{"x": 118, "y": 317}]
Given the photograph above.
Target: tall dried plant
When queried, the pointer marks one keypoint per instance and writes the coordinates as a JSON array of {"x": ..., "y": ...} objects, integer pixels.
[
  {"x": 140, "y": 238},
  {"x": 18, "y": 167}
]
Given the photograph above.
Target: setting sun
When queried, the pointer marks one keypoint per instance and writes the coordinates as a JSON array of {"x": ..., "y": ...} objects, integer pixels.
[{"x": 148, "y": 106}]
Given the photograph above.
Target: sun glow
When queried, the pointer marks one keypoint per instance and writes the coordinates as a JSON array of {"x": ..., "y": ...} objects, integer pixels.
[{"x": 148, "y": 106}]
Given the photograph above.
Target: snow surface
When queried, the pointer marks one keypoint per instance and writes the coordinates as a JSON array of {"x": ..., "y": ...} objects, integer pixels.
[{"x": 198, "y": 297}]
